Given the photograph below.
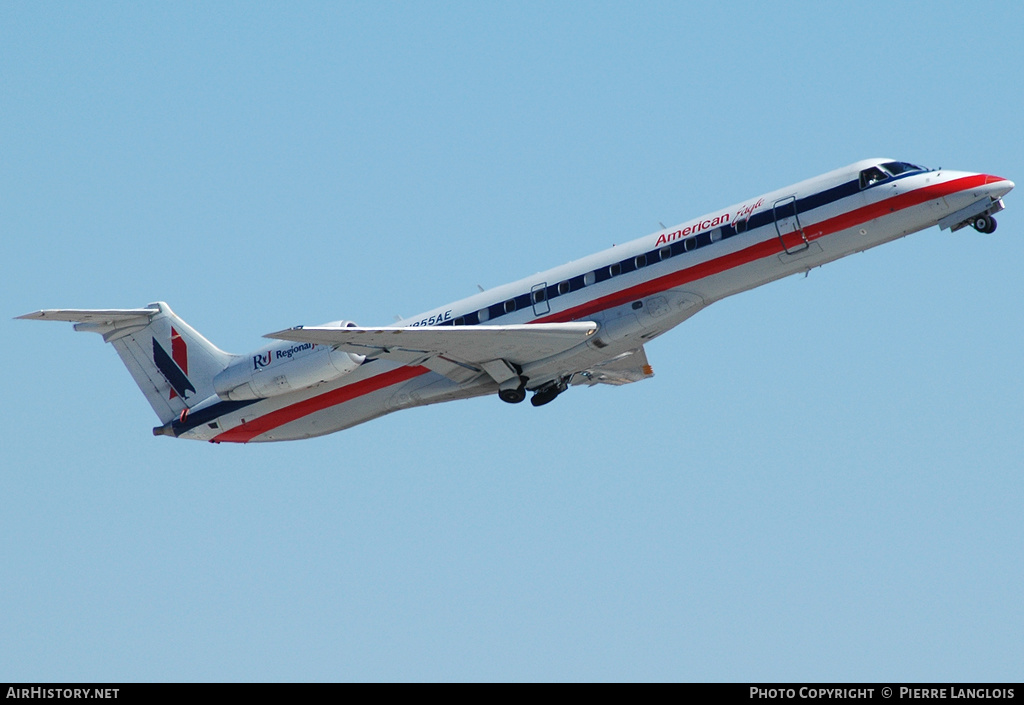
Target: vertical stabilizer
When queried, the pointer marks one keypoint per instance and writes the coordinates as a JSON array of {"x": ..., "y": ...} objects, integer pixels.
[{"x": 169, "y": 360}]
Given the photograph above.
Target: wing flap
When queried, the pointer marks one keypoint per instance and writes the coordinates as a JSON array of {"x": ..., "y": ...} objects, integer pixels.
[{"x": 622, "y": 369}]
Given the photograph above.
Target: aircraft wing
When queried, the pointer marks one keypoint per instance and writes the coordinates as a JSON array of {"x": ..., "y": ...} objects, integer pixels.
[{"x": 458, "y": 352}]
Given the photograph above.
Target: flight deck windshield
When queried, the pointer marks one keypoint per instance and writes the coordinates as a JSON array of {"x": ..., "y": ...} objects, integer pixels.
[{"x": 897, "y": 168}]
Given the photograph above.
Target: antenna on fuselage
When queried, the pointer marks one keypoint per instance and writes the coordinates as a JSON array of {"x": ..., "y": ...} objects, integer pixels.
[
  {"x": 480, "y": 288},
  {"x": 662, "y": 225}
]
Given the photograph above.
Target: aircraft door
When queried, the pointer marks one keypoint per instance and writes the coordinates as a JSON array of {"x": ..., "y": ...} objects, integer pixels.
[
  {"x": 787, "y": 224},
  {"x": 539, "y": 299}
]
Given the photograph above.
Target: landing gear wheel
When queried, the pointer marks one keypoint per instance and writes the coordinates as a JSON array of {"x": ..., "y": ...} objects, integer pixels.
[
  {"x": 513, "y": 391},
  {"x": 984, "y": 224},
  {"x": 512, "y": 396},
  {"x": 548, "y": 392},
  {"x": 542, "y": 398}
]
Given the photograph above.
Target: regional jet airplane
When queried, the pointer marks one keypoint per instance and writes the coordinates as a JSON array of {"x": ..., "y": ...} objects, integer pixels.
[{"x": 586, "y": 322}]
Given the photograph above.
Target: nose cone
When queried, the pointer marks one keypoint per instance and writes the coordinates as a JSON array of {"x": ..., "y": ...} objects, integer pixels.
[{"x": 997, "y": 186}]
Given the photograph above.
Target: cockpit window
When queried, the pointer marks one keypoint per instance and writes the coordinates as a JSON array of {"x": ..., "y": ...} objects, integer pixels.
[
  {"x": 872, "y": 176},
  {"x": 897, "y": 168}
]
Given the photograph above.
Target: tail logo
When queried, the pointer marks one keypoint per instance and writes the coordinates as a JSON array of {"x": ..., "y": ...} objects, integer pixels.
[{"x": 174, "y": 367}]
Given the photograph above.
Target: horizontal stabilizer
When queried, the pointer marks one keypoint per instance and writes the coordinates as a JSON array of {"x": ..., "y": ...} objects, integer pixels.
[
  {"x": 90, "y": 315},
  {"x": 170, "y": 361}
]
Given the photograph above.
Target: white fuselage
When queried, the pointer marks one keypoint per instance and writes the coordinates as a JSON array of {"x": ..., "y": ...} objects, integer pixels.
[{"x": 634, "y": 291}]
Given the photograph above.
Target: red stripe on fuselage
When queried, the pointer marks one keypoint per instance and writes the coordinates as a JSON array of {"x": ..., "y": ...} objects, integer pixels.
[
  {"x": 271, "y": 420},
  {"x": 760, "y": 250},
  {"x": 769, "y": 247}
]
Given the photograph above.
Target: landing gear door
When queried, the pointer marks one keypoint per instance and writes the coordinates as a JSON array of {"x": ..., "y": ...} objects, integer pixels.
[{"x": 787, "y": 225}]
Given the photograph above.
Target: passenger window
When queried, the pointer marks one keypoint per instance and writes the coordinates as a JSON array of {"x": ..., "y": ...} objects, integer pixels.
[
  {"x": 872, "y": 176},
  {"x": 460, "y": 321},
  {"x": 563, "y": 288},
  {"x": 716, "y": 235},
  {"x": 741, "y": 225},
  {"x": 615, "y": 270},
  {"x": 510, "y": 306},
  {"x": 640, "y": 261},
  {"x": 483, "y": 314},
  {"x": 589, "y": 278},
  {"x": 665, "y": 252},
  {"x": 689, "y": 243},
  {"x": 539, "y": 295}
]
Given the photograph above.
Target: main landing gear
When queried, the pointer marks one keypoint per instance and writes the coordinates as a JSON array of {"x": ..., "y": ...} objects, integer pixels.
[
  {"x": 512, "y": 391},
  {"x": 984, "y": 223},
  {"x": 548, "y": 392}
]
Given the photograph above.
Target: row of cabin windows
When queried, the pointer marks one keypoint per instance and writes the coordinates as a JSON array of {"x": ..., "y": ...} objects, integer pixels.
[{"x": 590, "y": 278}]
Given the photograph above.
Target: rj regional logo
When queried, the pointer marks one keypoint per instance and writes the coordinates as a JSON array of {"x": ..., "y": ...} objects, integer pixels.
[{"x": 260, "y": 361}]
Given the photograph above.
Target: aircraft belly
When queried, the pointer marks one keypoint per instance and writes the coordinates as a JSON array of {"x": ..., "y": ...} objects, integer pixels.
[
  {"x": 333, "y": 418},
  {"x": 746, "y": 277},
  {"x": 329, "y": 420},
  {"x": 820, "y": 251},
  {"x": 879, "y": 231},
  {"x": 434, "y": 388},
  {"x": 299, "y": 414},
  {"x": 428, "y": 388}
]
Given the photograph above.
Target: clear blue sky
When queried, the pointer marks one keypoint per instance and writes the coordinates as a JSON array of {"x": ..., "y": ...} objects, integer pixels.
[{"x": 822, "y": 482}]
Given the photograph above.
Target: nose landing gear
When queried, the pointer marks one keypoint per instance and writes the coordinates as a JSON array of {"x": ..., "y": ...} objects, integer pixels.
[{"x": 984, "y": 223}]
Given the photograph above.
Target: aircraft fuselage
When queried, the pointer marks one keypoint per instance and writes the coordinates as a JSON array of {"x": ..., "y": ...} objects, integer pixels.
[{"x": 633, "y": 292}]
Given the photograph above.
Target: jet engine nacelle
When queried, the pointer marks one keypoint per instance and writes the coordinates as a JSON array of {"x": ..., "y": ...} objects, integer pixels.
[{"x": 285, "y": 367}]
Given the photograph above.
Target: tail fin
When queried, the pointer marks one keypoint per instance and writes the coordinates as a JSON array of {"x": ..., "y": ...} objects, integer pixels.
[{"x": 171, "y": 362}]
